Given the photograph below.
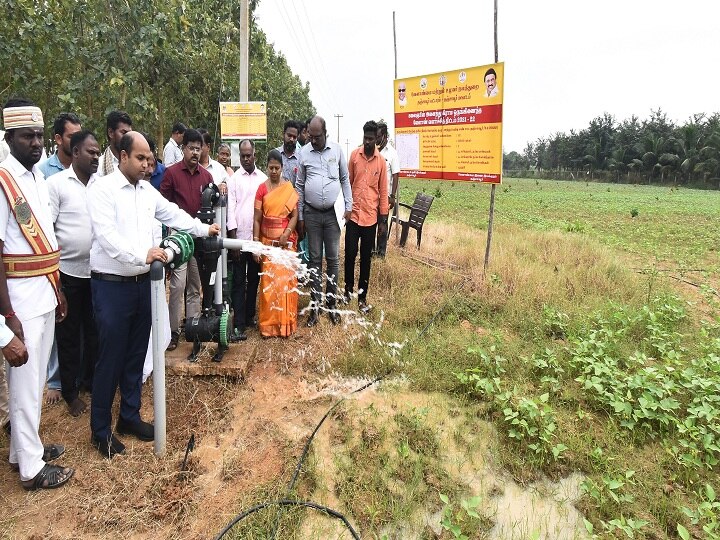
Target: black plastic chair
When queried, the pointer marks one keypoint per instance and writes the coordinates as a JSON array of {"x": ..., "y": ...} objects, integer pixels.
[{"x": 418, "y": 212}]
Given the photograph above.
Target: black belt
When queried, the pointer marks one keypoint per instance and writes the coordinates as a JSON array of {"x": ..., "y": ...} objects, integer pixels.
[
  {"x": 322, "y": 211},
  {"x": 120, "y": 279}
]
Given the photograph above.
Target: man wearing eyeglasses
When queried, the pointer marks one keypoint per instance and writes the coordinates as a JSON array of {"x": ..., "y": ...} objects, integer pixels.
[
  {"x": 402, "y": 94},
  {"x": 183, "y": 184}
]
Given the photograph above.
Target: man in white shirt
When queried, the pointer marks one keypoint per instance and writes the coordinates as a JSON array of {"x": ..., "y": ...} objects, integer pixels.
[
  {"x": 118, "y": 124},
  {"x": 76, "y": 335},
  {"x": 30, "y": 297},
  {"x": 172, "y": 152},
  {"x": 242, "y": 187},
  {"x": 392, "y": 164},
  {"x": 123, "y": 208},
  {"x": 215, "y": 168}
]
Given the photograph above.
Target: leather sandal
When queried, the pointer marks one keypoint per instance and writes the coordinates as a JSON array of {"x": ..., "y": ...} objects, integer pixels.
[
  {"x": 49, "y": 477},
  {"x": 51, "y": 453}
]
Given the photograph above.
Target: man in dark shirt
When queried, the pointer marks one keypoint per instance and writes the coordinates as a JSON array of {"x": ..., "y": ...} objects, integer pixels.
[{"x": 182, "y": 184}]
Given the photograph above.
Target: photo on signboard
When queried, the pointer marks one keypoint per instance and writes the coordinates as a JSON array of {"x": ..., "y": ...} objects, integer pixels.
[{"x": 402, "y": 94}]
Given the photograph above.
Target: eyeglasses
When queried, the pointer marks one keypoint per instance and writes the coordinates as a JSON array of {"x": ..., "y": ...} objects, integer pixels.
[{"x": 401, "y": 90}]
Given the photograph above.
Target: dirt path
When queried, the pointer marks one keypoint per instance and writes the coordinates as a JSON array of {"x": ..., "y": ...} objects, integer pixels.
[{"x": 248, "y": 435}]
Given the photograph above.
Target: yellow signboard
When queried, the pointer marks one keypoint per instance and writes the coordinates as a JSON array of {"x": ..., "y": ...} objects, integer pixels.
[
  {"x": 243, "y": 120},
  {"x": 448, "y": 126}
]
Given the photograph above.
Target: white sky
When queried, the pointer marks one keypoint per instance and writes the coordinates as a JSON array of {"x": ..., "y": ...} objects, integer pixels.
[{"x": 566, "y": 61}]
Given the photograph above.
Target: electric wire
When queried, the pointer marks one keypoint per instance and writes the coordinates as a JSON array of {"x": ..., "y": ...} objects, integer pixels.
[
  {"x": 315, "y": 51},
  {"x": 287, "y": 502},
  {"x": 302, "y": 50}
]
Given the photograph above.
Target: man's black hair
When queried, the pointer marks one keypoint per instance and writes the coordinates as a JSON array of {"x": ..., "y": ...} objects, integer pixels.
[
  {"x": 250, "y": 141},
  {"x": 62, "y": 119},
  {"x": 382, "y": 128},
  {"x": 179, "y": 127},
  {"x": 490, "y": 71},
  {"x": 19, "y": 102},
  {"x": 192, "y": 135},
  {"x": 79, "y": 137},
  {"x": 151, "y": 142},
  {"x": 126, "y": 143},
  {"x": 370, "y": 125},
  {"x": 115, "y": 118},
  {"x": 206, "y": 137},
  {"x": 291, "y": 124}
]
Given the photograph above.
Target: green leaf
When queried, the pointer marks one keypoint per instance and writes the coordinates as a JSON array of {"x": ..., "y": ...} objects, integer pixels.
[
  {"x": 709, "y": 492},
  {"x": 683, "y": 532},
  {"x": 588, "y": 526}
]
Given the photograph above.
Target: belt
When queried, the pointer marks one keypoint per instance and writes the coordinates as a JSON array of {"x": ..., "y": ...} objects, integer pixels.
[
  {"x": 321, "y": 210},
  {"x": 120, "y": 279}
]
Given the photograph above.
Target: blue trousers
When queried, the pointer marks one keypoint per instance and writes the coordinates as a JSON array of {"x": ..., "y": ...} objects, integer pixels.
[{"x": 123, "y": 318}]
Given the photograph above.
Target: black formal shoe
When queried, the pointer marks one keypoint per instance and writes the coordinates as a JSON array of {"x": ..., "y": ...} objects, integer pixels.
[
  {"x": 108, "y": 447},
  {"x": 364, "y": 307},
  {"x": 334, "y": 317},
  {"x": 238, "y": 335},
  {"x": 174, "y": 338},
  {"x": 142, "y": 430},
  {"x": 313, "y": 319}
]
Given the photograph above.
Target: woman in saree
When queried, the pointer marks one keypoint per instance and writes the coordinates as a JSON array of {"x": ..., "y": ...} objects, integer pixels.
[{"x": 275, "y": 219}]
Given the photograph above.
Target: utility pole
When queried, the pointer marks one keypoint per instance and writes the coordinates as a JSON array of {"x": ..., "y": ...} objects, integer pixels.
[
  {"x": 338, "y": 116},
  {"x": 347, "y": 147},
  {"x": 396, "y": 208},
  {"x": 492, "y": 188},
  {"x": 244, "y": 49}
]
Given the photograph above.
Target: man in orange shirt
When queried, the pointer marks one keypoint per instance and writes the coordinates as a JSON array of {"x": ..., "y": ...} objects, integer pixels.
[{"x": 368, "y": 180}]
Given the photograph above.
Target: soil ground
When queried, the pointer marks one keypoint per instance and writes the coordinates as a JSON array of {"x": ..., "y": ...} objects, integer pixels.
[{"x": 247, "y": 433}]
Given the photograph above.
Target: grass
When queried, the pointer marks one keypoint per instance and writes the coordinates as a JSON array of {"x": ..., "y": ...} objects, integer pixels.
[
  {"x": 673, "y": 225},
  {"x": 581, "y": 362}
]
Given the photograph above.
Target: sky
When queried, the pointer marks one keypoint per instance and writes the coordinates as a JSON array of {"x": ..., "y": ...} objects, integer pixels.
[{"x": 566, "y": 61}]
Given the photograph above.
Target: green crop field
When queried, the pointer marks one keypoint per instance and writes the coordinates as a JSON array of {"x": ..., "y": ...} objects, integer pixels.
[
  {"x": 671, "y": 225},
  {"x": 591, "y": 347}
]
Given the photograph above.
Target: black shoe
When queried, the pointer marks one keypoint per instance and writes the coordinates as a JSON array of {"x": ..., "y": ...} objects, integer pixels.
[
  {"x": 313, "y": 319},
  {"x": 364, "y": 307},
  {"x": 142, "y": 430},
  {"x": 334, "y": 317},
  {"x": 174, "y": 338},
  {"x": 108, "y": 447},
  {"x": 238, "y": 335}
]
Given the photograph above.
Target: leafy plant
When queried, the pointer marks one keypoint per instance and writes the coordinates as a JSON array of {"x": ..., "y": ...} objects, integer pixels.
[{"x": 458, "y": 521}]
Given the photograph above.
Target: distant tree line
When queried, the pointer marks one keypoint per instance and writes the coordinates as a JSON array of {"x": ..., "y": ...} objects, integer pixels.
[
  {"x": 160, "y": 60},
  {"x": 654, "y": 149}
]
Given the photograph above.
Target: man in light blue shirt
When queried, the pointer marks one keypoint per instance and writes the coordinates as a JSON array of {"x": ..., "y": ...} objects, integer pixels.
[
  {"x": 65, "y": 126},
  {"x": 322, "y": 176}
]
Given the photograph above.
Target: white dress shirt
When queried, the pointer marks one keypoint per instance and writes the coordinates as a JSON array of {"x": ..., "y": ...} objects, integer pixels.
[
  {"x": 218, "y": 172},
  {"x": 69, "y": 210},
  {"x": 172, "y": 153},
  {"x": 392, "y": 164},
  {"x": 33, "y": 296},
  {"x": 123, "y": 221},
  {"x": 242, "y": 188}
]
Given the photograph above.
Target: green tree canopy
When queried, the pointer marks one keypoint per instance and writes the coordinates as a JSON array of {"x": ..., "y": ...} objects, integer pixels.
[
  {"x": 655, "y": 148},
  {"x": 161, "y": 61}
]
